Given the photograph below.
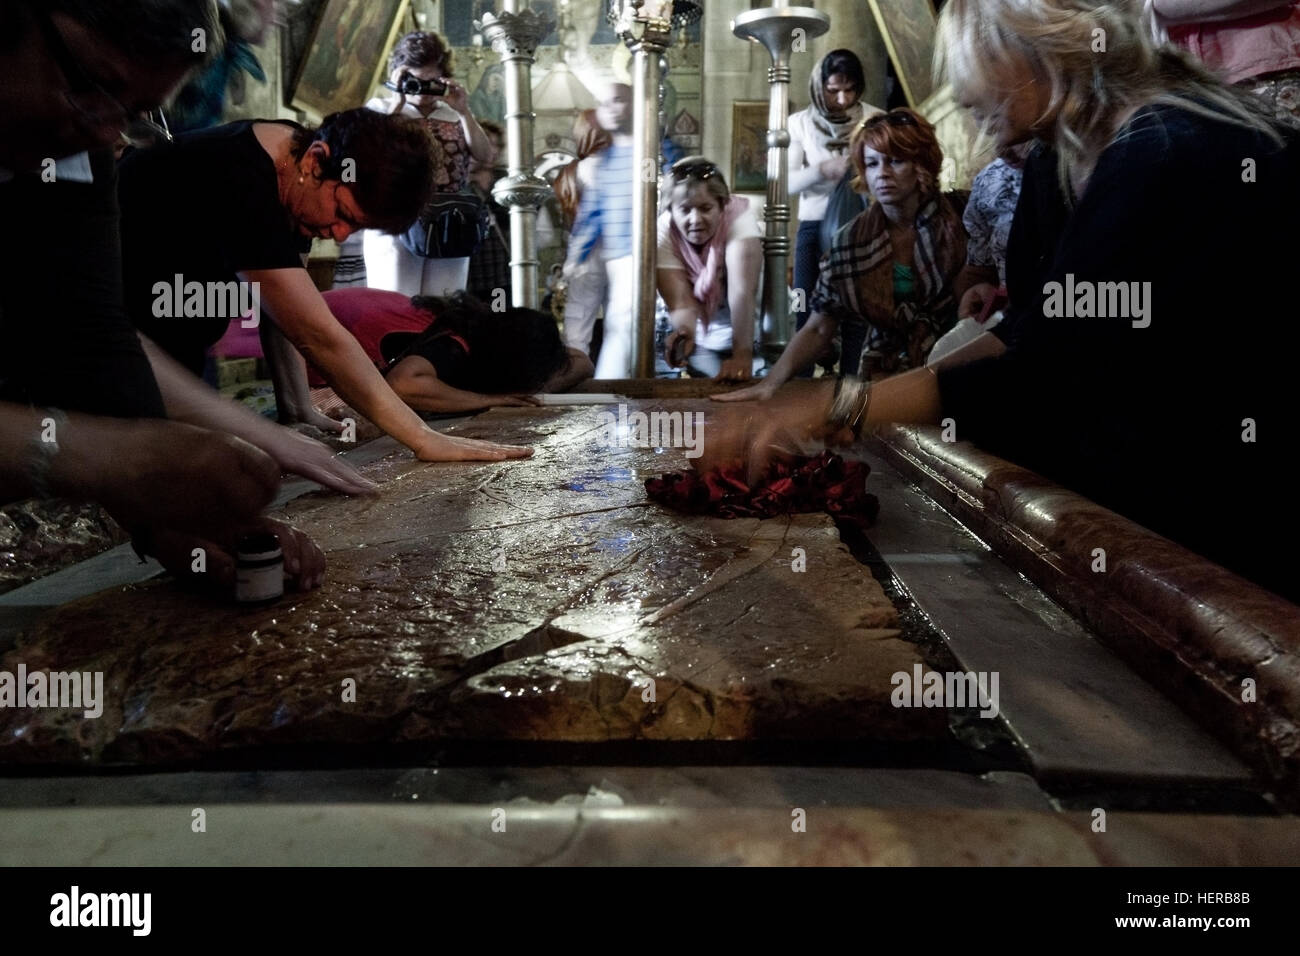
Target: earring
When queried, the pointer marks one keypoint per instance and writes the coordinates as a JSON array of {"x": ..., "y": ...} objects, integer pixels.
[{"x": 301, "y": 177}]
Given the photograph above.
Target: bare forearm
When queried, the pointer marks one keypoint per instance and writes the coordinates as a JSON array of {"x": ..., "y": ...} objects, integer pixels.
[
  {"x": 911, "y": 398},
  {"x": 427, "y": 393},
  {"x": 188, "y": 399},
  {"x": 357, "y": 381},
  {"x": 1208, "y": 11},
  {"x": 808, "y": 344}
]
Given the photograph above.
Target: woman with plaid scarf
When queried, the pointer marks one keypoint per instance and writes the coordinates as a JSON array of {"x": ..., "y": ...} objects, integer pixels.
[{"x": 886, "y": 286}]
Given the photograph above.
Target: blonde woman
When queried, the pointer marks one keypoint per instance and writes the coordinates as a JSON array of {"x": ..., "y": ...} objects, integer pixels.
[{"x": 1146, "y": 346}]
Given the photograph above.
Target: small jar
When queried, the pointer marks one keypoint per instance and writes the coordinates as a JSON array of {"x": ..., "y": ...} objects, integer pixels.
[{"x": 259, "y": 568}]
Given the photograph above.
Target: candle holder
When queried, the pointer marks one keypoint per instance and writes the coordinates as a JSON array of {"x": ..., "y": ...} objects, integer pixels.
[
  {"x": 775, "y": 28},
  {"x": 646, "y": 27},
  {"x": 514, "y": 35}
]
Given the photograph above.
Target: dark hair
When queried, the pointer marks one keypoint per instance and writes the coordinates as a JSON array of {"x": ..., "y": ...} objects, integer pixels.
[
  {"x": 421, "y": 48},
  {"x": 517, "y": 350},
  {"x": 392, "y": 163},
  {"x": 153, "y": 31},
  {"x": 847, "y": 64}
]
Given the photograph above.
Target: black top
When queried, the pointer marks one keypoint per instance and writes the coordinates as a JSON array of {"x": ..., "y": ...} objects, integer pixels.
[
  {"x": 66, "y": 337},
  {"x": 1149, "y": 421},
  {"x": 446, "y": 351},
  {"x": 205, "y": 207}
]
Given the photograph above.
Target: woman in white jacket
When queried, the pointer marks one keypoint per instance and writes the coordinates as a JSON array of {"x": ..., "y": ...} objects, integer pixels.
[{"x": 819, "y": 156}]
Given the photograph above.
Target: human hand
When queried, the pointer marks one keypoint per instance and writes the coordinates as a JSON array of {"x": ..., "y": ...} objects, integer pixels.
[
  {"x": 761, "y": 391},
  {"x": 150, "y": 472},
  {"x": 833, "y": 169},
  {"x": 738, "y": 368},
  {"x": 976, "y": 297},
  {"x": 456, "y": 96},
  {"x": 304, "y": 456},
  {"x": 304, "y": 561},
  {"x": 756, "y": 435},
  {"x": 512, "y": 401},
  {"x": 440, "y": 447},
  {"x": 679, "y": 345}
]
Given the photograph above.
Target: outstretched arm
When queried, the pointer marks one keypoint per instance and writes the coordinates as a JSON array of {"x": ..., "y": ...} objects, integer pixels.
[
  {"x": 295, "y": 305},
  {"x": 416, "y": 380}
]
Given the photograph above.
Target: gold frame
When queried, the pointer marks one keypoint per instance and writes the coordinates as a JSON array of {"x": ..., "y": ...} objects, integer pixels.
[
  {"x": 318, "y": 108},
  {"x": 890, "y": 28}
]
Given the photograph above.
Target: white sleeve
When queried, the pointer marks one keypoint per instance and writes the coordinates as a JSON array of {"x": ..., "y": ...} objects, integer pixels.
[
  {"x": 745, "y": 226},
  {"x": 667, "y": 259}
]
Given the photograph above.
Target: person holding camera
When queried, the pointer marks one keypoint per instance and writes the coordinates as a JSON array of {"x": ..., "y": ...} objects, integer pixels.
[{"x": 420, "y": 71}]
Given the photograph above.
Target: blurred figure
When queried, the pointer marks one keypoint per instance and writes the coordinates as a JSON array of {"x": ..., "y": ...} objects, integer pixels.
[
  {"x": 603, "y": 228},
  {"x": 489, "y": 267},
  {"x": 584, "y": 282}
]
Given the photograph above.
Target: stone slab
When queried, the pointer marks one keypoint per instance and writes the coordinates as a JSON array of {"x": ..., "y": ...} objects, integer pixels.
[{"x": 520, "y": 601}]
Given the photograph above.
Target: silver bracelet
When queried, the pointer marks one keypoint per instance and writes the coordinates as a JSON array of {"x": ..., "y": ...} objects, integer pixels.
[
  {"x": 41, "y": 458},
  {"x": 849, "y": 406}
]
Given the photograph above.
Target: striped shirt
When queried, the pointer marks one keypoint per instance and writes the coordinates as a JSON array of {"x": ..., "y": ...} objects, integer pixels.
[{"x": 605, "y": 210}]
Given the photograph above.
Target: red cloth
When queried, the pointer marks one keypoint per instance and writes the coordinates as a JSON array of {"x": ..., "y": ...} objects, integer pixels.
[
  {"x": 371, "y": 314},
  {"x": 824, "y": 483}
]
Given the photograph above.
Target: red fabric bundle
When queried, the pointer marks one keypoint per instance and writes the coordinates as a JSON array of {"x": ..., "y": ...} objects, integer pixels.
[{"x": 824, "y": 483}]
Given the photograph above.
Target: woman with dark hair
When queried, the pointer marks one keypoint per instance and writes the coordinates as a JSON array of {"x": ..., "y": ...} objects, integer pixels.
[
  {"x": 456, "y": 354},
  {"x": 710, "y": 255},
  {"x": 819, "y": 156},
  {"x": 263, "y": 190},
  {"x": 887, "y": 283},
  {"x": 422, "y": 61}
]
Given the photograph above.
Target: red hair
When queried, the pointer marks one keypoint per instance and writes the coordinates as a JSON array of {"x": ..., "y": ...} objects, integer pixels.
[{"x": 914, "y": 141}]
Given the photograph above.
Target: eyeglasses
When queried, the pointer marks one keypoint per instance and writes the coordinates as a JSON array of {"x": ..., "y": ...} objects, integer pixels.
[
  {"x": 694, "y": 169},
  {"x": 893, "y": 118}
]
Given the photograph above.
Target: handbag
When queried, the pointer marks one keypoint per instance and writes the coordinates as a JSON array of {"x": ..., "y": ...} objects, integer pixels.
[{"x": 451, "y": 226}]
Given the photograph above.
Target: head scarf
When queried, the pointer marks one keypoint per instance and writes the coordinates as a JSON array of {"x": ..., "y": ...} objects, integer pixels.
[
  {"x": 704, "y": 267},
  {"x": 836, "y": 127}
]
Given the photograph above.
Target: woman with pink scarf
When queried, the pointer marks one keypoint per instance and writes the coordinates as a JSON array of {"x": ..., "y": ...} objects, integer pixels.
[{"x": 710, "y": 255}]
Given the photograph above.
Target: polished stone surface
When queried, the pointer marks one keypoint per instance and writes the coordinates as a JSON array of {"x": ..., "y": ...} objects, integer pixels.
[{"x": 523, "y": 601}]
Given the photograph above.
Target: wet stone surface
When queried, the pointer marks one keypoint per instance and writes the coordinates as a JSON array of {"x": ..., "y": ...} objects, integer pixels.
[{"x": 532, "y": 601}]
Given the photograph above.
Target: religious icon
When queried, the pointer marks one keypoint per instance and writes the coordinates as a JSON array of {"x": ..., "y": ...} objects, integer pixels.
[
  {"x": 749, "y": 146},
  {"x": 908, "y": 27},
  {"x": 345, "y": 59}
]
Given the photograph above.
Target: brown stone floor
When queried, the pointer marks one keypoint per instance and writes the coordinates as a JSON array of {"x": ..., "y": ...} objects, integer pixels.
[{"x": 531, "y": 601}]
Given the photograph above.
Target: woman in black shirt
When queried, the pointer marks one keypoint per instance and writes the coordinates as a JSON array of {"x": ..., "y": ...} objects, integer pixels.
[
  {"x": 240, "y": 204},
  {"x": 1143, "y": 244}
]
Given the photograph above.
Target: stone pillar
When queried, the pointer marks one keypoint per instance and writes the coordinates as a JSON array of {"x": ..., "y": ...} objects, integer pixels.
[
  {"x": 645, "y": 26},
  {"x": 514, "y": 34}
]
